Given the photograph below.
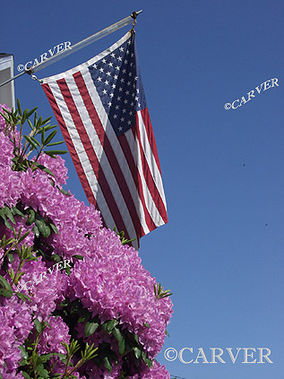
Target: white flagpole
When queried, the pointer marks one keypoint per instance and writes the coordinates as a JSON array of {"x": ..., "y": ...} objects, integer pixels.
[{"x": 79, "y": 45}]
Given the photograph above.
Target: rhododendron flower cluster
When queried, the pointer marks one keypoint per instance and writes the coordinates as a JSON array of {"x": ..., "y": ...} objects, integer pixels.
[
  {"x": 15, "y": 326},
  {"x": 74, "y": 301}
]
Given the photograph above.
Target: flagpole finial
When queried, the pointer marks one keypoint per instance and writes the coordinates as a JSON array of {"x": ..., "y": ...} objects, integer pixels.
[{"x": 134, "y": 16}]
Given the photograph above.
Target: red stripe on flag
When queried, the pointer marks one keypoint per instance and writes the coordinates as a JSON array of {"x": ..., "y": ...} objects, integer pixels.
[
  {"x": 149, "y": 179},
  {"x": 92, "y": 156},
  {"x": 136, "y": 177},
  {"x": 69, "y": 143},
  {"x": 150, "y": 134}
]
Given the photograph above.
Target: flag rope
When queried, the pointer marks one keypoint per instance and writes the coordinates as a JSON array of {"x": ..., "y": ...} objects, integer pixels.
[{"x": 79, "y": 45}]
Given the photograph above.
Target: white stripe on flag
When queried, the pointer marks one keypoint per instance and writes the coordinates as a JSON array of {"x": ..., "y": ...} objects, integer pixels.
[
  {"x": 151, "y": 206},
  {"x": 156, "y": 175},
  {"x": 82, "y": 155}
]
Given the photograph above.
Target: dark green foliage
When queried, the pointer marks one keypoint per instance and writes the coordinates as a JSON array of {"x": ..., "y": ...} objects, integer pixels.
[
  {"x": 38, "y": 127},
  {"x": 129, "y": 347}
]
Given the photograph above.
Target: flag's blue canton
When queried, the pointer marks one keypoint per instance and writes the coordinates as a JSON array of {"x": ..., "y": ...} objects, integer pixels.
[{"x": 118, "y": 83}]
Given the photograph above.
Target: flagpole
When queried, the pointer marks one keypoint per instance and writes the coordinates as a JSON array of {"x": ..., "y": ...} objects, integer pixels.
[{"x": 78, "y": 46}]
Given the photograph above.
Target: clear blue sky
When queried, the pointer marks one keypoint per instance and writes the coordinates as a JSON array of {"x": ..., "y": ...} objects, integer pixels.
[{"x": 222, "y": 251}]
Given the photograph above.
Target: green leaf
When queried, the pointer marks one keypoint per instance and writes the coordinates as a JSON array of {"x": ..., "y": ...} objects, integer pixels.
[
  {"x": 56, "y": 257},
  {"x": 42, "y": 372},
  {"x": 35, "y": 141},
  {"x": 5, "y": 292},
  {"x": 23, "y": 362},
  {"x": 84, "y": 317},
  {"x": 38, "y": 326},
  {"x": 24, "y": 117},
  {"x": 3, "y": 216},
  {"x": 31, "y": 217},
  {"x": 165, "y": 294},
  {"x": 64, "y": 303},
  {"x": 19, "y": 107},
  {"x": 42, "y": 135},
  {"x": 63, "y": 191},
  {"x": 55, "y": 143},
  {"x": 17, "y": 212},
  {"x": 26, "y": 375},
  {"x": 54, "y": 228},
  {"x": 23, "y": 352},
  {"x": 9, "y": 214},
  {"x": 144, "y": 356},
  {"x": 30, "y": 141},
  {"x": 80, "y": 257},
  {"x": 45, "y": 357},
  {"x": 4, "y": 284},
  {"x": 146, "y": 324},
  {"x": 107, "y": 364},
  {"x": 43, "y": 228},
  {"x": 48, "y": 127},
  {"x": 46, "y": 120},
  {"x": 31, "y": 112},
  {"x": 137, "y": 352},
  {"x": 10, "y": 257},
  {"x": 56, "y": 152},
  {"x": 148, "y": 362},
  {"x": 43, "y": 168},
  {"x": 120, "y": 339},
  {"x": 90, "y": 328},
  {"x": 49, "y": 138},
  {"x": 109, "y": 325},
  {"x": 23, "y": 236},
  {"x": 36, "y": 231},
  {"x": 5, "y": 117},
  {"x": 136, "y": 338},
  {"x": 31, "y": 125},
  {"x": 39, "y": 123},
  {"x": 23, "y": 297}
]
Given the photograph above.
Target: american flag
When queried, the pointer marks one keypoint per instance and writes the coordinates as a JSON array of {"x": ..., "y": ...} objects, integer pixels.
[{"x": 101, "y": 109}]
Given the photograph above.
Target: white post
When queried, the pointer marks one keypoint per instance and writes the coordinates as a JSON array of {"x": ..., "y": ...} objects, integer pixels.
[{"x": 7, "y": 92}]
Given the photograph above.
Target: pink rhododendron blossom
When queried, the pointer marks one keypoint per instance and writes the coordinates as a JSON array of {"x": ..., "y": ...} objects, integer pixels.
[
  {"x": 52, "y": 336},
  {"x": 110, "y": 282},
  {"x": 6, "y": 151},
  {"x": 45, "y": 287},
  {"x": 56, "y": 166},
  {"x": 15, "y": 326}
]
